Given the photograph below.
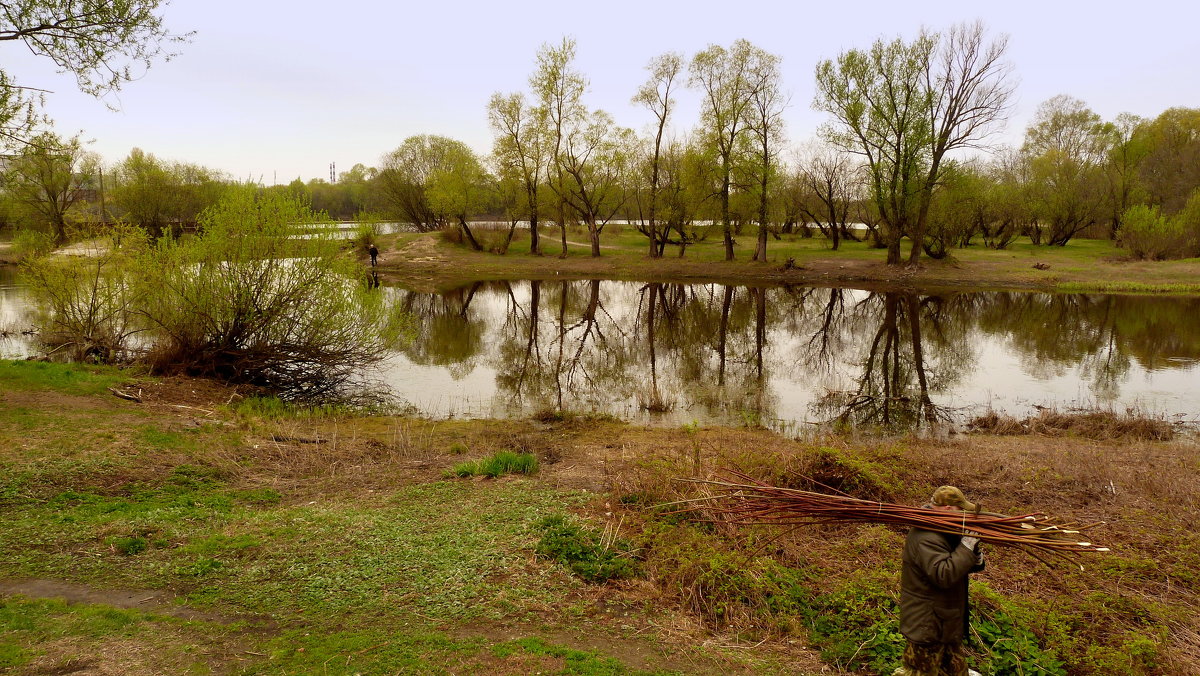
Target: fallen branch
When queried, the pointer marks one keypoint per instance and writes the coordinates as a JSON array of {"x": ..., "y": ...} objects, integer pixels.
[{"x": 125, "y": 395}]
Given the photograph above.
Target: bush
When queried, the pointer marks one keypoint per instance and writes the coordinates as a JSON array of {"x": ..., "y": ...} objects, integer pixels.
[
  {"x": 367, "y": 231},
  {"x": 1148, "y": 234},
  {"x": 88, "y": 302},
  {"x": 503, "y": 462},
  {"x": 32, "y": 243},
  {"x": 591, "y": 555},
  {"x": 247, "y": 301}
]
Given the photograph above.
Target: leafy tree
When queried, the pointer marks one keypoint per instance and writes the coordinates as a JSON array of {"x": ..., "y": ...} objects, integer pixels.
[
  {"x": 595, "y": 160},
  {"x": 764, "y": 126},
  {"x": 1171, "y": 169},
  {"x": 722, "y": 76},
  {"x": 655, "y": 95},
  {"x": 1126, "y": 152},
  {"x": 904, "y": 106},
  {"x": 458, "y": 187},
  {"x": 158, "y": 195},
  {"x": 102, "y": 44},
  {"x": 48, "y": 180},
  {"x": 559, "y": 91},
  {"x": 1066, "y": 146},
  {"x": 519, "y": 151}
]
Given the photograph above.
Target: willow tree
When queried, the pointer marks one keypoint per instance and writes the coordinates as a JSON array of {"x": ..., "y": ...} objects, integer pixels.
[
  {"x": 48, "y": 180},
  {"x": 722, "y": 76},
  {"x": 519, "y": 150},
  {"x": 655, "y": 95},
  {"x": 102, "y": 44},
  {"x": 559, "y": 91},
  {"x": 903, "y": 106},
  {"x": 764, "y": 126}
]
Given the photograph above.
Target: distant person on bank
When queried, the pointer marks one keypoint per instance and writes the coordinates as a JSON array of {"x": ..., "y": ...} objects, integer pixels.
[
  {"x": 933, "y": 593},
  {"x": 374, "y": 254}
]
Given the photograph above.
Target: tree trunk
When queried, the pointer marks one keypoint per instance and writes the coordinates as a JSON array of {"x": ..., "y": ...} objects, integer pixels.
[
  {"x": 594, "y": 235},
  {"x": 462, "y": 223},
  {"x": 535, "y": 246}
]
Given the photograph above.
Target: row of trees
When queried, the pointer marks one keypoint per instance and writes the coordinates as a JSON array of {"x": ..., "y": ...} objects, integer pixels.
[{"x": 900, "y": 157}]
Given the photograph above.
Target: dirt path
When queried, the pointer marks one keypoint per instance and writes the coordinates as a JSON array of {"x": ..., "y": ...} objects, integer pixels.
[{"x": 159, "y": 602}]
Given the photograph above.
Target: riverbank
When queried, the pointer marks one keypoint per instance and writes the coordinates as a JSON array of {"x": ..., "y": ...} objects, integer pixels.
[
  {"x": 204, "y": 528},
  {"x": 428, "y": 262}
]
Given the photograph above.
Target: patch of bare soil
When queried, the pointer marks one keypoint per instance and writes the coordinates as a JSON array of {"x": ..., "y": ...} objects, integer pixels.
[
  {"x": 422, "y": 250},
  {"x": 172, "y": 649},
  {"x": 159, "y": 602}
]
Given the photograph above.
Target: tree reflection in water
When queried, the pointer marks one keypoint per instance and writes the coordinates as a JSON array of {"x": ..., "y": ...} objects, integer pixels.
[{"x": 745, "y": 354}]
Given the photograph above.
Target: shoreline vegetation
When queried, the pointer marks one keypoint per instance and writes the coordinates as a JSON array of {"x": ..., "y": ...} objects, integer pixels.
[
  {"x": 224, "y": 531},
  {"x": 429, "y": 262}
]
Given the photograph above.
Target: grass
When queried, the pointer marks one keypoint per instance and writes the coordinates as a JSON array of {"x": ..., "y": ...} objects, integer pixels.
[
  {"x": 339, "y": 547},
  {"x": 74, "y": 379},
  {"x": 498, "y": 464},
  {"x": 1083, "y": 265}
]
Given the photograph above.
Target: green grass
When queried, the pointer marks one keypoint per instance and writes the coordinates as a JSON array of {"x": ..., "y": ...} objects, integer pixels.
[
  {"x": 502, "y": 462},
  {"x": 76, "y": 379},
  {"x": 30, "y": 628},
  {"x": 1128, "y": 287}
]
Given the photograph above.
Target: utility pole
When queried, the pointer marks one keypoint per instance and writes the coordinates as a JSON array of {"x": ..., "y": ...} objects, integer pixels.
[{"x": 333, "y": 172}]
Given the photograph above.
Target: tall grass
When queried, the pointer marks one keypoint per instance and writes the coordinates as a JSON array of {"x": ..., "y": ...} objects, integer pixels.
[{"x": 503, "y": 462}]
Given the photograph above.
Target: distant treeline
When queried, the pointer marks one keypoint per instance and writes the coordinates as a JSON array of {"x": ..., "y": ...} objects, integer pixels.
[{"x": 901, "y": 154}]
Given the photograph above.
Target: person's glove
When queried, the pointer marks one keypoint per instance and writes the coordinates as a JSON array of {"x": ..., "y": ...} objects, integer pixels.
[{"x": 970, "y": 542}]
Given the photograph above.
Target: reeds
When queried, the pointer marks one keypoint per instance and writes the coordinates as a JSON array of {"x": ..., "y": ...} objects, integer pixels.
[{"x": 744, "y": 501}]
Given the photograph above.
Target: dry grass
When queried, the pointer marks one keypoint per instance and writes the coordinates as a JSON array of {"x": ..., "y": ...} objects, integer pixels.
[{"x": 1097, "y": 424}]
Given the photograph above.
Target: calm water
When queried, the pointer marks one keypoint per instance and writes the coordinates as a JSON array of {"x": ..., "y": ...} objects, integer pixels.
[{"x": 784, "y": 356}]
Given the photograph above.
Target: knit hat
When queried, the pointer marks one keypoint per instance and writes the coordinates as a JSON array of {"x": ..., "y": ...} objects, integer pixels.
[{"x": 951, "y": 495}]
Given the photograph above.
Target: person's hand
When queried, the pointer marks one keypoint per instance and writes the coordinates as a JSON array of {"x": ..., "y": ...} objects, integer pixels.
[{"x": 970, "y": 541}]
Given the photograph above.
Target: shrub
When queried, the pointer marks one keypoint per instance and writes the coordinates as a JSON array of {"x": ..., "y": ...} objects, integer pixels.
[
  {"x": 594, "y": 556},
  {"x": 32, "y": 243},
  {"x": 723, "y": 585},
  {"x": 88, "y": 302},
  {"x": 367, "y": 231},
  {"x": 503, "y": 462},
  {"x": 246, "y": 301},
  {"x": 1146, "y": 233}
]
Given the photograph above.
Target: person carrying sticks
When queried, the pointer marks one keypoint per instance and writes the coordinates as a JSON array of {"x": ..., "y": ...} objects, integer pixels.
[{"x": 933, "y": 593}]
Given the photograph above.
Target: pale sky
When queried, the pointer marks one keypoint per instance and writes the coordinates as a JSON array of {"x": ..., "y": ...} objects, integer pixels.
[{"x": 273, "y": 91}]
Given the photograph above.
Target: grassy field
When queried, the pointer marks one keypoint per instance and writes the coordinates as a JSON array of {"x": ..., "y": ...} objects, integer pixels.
[
  {"x": 202, "y": 530},
  {"x": 429, "y": 262}
]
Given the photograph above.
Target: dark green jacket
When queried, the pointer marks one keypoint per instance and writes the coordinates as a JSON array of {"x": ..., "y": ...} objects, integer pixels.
[{"x": 933, "y": 587}]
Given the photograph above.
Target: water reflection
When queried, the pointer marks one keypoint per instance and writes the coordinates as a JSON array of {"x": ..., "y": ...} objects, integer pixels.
[
  {"x": 710, "y": 352},
  {"x": 673, "y": 353}
]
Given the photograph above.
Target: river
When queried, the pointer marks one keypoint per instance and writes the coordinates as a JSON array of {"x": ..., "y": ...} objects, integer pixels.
[{"x": 785, "y": 357}]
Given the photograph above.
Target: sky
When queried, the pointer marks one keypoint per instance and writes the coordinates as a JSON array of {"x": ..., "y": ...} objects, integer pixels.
[{"x": 271, "y": 91}]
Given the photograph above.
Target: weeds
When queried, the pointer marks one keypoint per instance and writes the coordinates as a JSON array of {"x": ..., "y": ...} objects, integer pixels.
[{"x": 594, "y": 556}]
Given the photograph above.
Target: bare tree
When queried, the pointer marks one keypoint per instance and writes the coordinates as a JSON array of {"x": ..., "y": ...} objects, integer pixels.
[
  {"x": 764, "y": 122},
  {"x": 655, "y": 94},
  {"x": 905, "y": 106}
]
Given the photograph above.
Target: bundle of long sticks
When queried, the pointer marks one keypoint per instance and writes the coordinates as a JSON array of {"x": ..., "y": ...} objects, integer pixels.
[{"x": 745, "y": 501}]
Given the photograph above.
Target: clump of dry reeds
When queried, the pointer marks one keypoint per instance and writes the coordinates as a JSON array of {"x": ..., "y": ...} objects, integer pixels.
[
  {"x": 742, "y": 500},
  {"x": 1096, "y": 424}
]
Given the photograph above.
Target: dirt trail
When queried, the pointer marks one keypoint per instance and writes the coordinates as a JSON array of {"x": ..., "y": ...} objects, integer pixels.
[{"x": 159, "y": 602}]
